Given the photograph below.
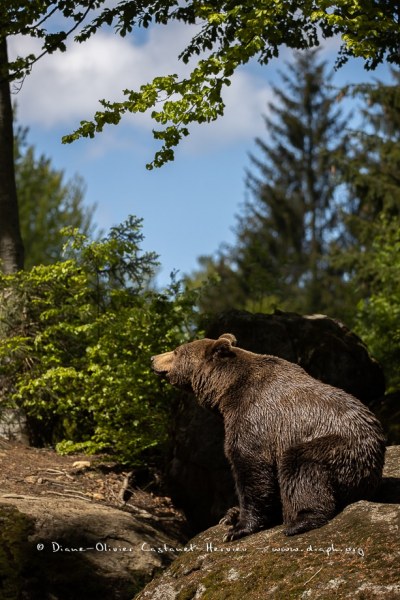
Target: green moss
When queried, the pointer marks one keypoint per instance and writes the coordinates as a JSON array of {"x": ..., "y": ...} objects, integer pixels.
[
  {"x": 187, "y": 593},
  {"x": 359, "y": 546}
]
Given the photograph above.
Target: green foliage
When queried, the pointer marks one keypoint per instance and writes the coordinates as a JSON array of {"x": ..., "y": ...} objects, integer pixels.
[
  {"x": 46, "y": 204},
  {"x": 77, "y": 340},
  {"x": 370, "y": 172},
  {"x": 228, "y": 36},
  {"x": 371, "y": 168},
  {"x": 233, "y": 35},
  {"x": 369, "y": 29},
  {"x": 378, "y": 315}
]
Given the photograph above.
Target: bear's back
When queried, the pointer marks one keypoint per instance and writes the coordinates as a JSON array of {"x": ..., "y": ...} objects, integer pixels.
[{"x": 279, "y": 399}]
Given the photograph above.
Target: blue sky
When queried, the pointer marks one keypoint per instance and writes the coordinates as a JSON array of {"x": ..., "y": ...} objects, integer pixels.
[{"x": 188, "y": 206}]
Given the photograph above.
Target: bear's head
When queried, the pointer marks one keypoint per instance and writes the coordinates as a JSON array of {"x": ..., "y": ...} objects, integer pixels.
[{"x": 188, "y": 364}]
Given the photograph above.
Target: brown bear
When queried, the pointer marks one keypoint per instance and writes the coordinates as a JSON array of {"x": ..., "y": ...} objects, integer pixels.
[{"x": 294, "y": 443}]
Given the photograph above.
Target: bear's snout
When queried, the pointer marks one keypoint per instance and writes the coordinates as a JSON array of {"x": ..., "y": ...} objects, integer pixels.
[
  {"x": 154, "y": 365},
  {"x": 162, "y": 363}
]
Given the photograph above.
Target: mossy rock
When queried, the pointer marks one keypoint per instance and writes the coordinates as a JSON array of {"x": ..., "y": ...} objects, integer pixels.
[{"x": 354, "y": 556}]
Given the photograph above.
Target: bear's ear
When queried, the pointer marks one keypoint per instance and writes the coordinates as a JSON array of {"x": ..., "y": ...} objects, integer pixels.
[
  {"x": 223, "y": 345},
  {"x": 230, "y": 337}
]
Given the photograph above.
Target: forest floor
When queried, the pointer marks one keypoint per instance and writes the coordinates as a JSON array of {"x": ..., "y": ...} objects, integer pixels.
[{"x": 27, "y": 471}]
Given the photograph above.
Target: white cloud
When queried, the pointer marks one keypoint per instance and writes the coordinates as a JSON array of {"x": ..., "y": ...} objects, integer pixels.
[{"x": 65, "y": 88}]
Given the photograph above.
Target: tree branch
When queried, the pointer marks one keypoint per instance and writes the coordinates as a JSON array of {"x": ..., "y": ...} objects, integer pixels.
[{"x": 28, "y": 66}]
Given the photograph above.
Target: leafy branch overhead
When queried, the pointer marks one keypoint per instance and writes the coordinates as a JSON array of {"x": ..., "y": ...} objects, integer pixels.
[{"x": 227, "y": 35}]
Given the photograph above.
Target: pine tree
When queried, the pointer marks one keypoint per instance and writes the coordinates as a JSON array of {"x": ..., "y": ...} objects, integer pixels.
[
  {"x": 289, "y": 218},
  {"x": 46, "y": 204}
]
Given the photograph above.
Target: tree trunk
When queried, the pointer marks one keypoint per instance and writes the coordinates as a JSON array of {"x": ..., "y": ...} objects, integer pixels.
[{"x": 11, "y": 245}]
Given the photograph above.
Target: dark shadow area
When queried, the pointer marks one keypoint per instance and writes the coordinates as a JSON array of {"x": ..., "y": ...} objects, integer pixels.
[{"x": 389, "y": 491}]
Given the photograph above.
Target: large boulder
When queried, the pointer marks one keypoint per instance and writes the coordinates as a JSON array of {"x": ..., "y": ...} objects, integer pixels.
[
  {"x": 324, "y": 347},
  {"x": 65, "y": 548},
  {"x": 387, "y": 408},
  {"x": 354, "y": 556},
  {"x": 199, "y": 476},
  {"x": 200, "y": 480}
]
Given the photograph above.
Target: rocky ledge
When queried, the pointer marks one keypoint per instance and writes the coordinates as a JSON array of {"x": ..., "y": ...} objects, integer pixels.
[{"x": 356, "y": 555}]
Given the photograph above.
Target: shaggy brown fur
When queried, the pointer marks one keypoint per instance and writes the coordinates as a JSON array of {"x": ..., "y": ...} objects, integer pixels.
[{"x": 294, "y": 443}]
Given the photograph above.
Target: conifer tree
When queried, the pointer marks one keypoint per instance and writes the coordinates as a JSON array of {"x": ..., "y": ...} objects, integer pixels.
[
  {"x": 289, "y": 218},
  {"x": 47, "y": 203}
]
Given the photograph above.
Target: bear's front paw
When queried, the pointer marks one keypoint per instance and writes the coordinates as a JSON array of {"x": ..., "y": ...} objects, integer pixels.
[
  {"x": 231, "y": 517},
  {"x": 233, "y": 534},
  {"x": 238, "y": 531}
]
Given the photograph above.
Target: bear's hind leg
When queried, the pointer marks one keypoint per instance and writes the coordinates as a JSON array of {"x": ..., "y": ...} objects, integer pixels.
[{"x": 307, "y": 493}]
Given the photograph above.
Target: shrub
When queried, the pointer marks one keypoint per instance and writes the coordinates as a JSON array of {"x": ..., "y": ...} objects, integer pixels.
[
  {"x": 76, "y": 341},
  {"x": 378, "y": 314}
]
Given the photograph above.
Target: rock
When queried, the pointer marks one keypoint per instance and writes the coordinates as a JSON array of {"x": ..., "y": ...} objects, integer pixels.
[
  {"x": 388, "y": 409},
  {"x": 81, "y": 465},
  {"x": 199, "y": 475},
  {"x": 65, "y": 549},
  {"x": 324, "y": 347},
  {"x": 13, "y": 424},
  {"x": 354, "y": 556},
  {"x": 200, "y": 480}
]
